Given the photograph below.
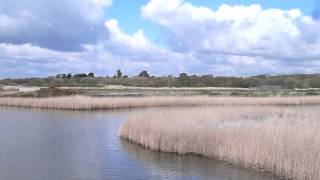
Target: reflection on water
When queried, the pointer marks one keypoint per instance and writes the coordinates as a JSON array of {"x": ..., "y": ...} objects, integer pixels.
[
  {"x": 50, "y": 145},
  {"x": 189, "y": 165}
]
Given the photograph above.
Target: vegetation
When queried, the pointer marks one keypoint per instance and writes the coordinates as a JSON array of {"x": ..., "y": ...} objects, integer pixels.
[
  {"x": 93, "y": 103},
  {"x": 118, "y": 74},
  {"x": 144, "y": 74},
  {"x": 44, "y": 92},
  {"x": 145, "y": 80},
  {"x": 282, "y": 140},
  {"x": 252, "y": 132},
  {"x": 54, "y": 92},
  {"x": 69, "y": 76}
]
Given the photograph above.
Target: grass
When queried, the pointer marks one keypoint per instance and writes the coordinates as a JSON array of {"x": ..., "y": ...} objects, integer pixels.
[
  {"x": 282, "y": 140},
  {"x": 33, "y": 92},
  {"x": 96, "y": 103}
]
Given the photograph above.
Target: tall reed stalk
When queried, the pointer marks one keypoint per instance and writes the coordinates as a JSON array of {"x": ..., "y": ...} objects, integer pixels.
[
  {"x": 96, "y": 103},
  {"x": 284, "y": 141}
]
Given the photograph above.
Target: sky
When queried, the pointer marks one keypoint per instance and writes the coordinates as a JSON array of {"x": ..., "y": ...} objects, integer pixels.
[{"x": 40, "y": 38}]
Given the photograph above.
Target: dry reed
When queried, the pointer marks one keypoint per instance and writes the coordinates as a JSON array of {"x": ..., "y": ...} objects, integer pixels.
[
  {"x": 96, "y": 103},
  {"x": 282, "y": 140}
]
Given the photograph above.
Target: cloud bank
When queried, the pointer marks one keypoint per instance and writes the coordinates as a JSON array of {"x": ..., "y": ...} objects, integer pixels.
[
  {"x": 237, "y": 30},
  {"x": 231, "y": 40},
  {"x": 62, "y": 25}
]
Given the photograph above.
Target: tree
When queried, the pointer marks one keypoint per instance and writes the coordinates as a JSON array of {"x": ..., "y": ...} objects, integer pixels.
[
  {"x": 184, "y": 80},
  {"x": 118, "y": 74},
  {"x": 182, "y": 75},
  {"x": 91, "y": 75},
  {"x": 61, "y": 76},
  {"x": 69, "y": 76},
  {"x": 144, "y": 74},
  {"x": 83, "y": 75}
]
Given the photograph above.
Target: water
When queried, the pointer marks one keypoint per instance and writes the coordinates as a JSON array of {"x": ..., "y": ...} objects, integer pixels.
[{"x": 62, "y": 145}]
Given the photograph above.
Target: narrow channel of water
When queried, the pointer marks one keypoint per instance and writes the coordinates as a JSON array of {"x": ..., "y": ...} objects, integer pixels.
[{"x": 51, "y": 145}]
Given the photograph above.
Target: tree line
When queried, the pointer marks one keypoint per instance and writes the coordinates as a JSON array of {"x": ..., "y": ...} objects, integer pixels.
[
  {"x": 118, "y": 74},
  {"x": 144, "y": 79}
]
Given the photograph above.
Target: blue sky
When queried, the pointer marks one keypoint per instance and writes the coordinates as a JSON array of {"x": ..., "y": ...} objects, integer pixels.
[{"x": 166, "y": 37}]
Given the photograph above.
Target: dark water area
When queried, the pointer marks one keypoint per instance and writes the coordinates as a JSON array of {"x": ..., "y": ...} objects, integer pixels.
[{"x": 64, "y": 145}]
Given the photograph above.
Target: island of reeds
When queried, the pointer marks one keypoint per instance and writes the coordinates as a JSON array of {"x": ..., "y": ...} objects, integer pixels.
[{"x": 282, "y": 140}]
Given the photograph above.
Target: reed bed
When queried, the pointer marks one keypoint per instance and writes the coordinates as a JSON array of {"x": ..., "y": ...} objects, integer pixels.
[
  {"x": 96, "y": 103},
  {"x": 284, "y": 141}
]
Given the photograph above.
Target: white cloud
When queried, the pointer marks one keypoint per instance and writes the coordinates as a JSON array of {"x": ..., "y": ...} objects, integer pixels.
[
  {"x": 231, "y": 40},
  {"x": 93, "y": 10},
  {"x": 236, "y": 30},
  {"x": 137, "y": 40}
]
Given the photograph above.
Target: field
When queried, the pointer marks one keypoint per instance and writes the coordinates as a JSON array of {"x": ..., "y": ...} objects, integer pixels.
[{"x": 282, "y": 140}]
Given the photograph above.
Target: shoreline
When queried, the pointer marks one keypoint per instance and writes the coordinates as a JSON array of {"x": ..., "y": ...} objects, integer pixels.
[{"x": 216, "y": 159}]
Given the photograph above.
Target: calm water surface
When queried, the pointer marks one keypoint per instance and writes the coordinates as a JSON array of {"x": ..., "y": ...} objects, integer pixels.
[{"x": 62, "y": 145}]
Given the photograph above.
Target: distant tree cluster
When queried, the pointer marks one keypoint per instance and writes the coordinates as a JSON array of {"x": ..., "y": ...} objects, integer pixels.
[
  {"x": 144, "y": 74},
  {"x": 70, "y": 76},
  {"x": 118, "y": 74}
]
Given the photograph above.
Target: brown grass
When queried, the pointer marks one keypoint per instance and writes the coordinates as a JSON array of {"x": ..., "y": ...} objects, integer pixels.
[
  {"x": 96, "y": 103},
  {"x": 282, "y": 140}
]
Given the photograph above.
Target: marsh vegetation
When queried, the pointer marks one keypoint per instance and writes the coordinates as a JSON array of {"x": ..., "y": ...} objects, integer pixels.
[
  {"x": 282, "y": 140},
  {"x": 104, "y": 103},
  {"x": 280, "y": 135}
]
